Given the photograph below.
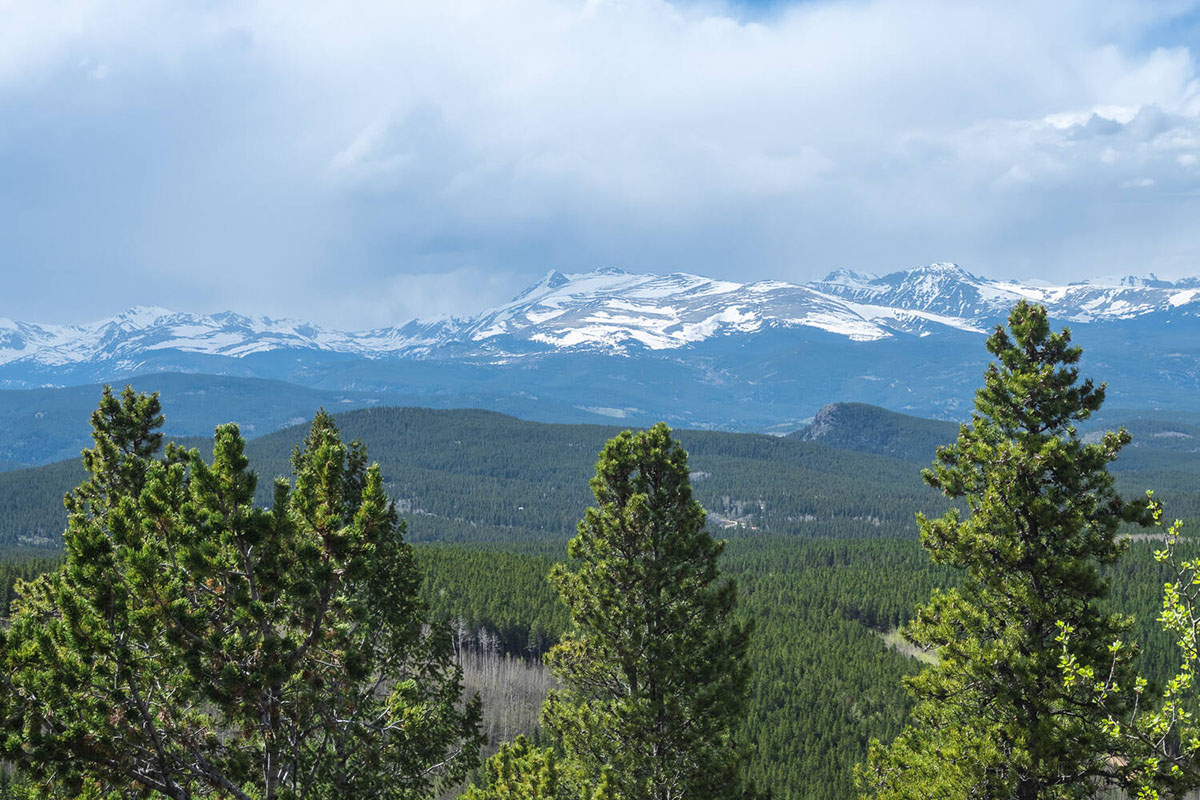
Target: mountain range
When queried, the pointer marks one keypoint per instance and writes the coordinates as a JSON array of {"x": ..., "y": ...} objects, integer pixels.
[
  {"x": 610, "y": 311},
  {"x": 696, "y": 351}
]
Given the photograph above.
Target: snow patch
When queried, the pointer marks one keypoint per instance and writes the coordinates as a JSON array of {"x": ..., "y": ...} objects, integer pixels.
[
  {"x": 604, "y": 411},
  {"x": 617, "y": 312}
]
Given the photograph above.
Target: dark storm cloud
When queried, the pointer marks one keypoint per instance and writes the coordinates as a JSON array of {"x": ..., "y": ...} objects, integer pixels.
[{"x": 363, "y": 163}]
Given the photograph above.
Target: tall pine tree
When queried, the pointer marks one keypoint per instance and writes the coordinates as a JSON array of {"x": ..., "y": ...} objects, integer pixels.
[
  {"x": 195, "y": 645},
  {"x": 994, "y": 717},
  {"x": 654, "y": 672}
]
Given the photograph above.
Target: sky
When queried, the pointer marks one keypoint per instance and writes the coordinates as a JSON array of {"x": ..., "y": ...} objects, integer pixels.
[{"x": 361, "y": 163}]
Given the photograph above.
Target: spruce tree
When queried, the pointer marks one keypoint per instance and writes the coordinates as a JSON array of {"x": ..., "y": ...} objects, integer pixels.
[
  {"x": 994, "y": 717},
  {"x": 195, "y": 645},
  {"x": 654, "y": 671}
]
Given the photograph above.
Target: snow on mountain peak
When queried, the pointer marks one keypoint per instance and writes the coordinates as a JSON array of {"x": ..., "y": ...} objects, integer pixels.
[
  {"x": 849, "y": 277},
  {"x": 943, "y": 290},
  {"x": 947, "y": 290},
  {"x": 1149, "y": 280},
  {"x": 141, "y": 316},
  {"x": 941, "y": 271},
  {"x": 551, "y": 280},
  {"x": 615, "y": 311}
]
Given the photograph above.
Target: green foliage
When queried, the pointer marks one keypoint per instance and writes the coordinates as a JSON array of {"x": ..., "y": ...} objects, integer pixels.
[
  {"x": 475, "y": 476},
  {"x": 993, "y": 717},
  {"x": 1156, "y": 735},
  {"x": 17, "y": 569},
  {"x": 1166, "y": 738},
  {"x": 824, "y": 682},
  {"x": 521, "y": 771},
  {"x": 194, "y": 645},
  {"x": 505, "y": 594},
  {"x": 654, "y": 668}
]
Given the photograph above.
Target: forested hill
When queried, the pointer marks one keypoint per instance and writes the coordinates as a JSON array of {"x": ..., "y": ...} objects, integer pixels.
[
  {"x": 825, "y": 680},
  {"x": 871, "y": 429},
  {"x": 478, "y": 476}
]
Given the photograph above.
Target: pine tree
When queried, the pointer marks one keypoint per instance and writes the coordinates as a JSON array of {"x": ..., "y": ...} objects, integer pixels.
[
  {"x": 522, "y": 771},
  {"x": 994, "y": 718},
  {"x": 194, "y": 645},
  {"x": 654, "y": 671}
]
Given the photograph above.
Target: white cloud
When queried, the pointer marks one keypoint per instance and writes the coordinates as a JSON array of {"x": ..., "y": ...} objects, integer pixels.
[{"x": 272, "y": 155}]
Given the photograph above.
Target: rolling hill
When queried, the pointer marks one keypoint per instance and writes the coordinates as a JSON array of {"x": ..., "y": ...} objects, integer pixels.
[
  {"x": 481, "y": 476},
  {"x": 478, "y": 476},
  {"x": 870, "y": 429}
]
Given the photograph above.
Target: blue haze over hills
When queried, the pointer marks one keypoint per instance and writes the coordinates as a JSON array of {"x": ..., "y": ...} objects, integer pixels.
[{"x": 608, "y": 346}]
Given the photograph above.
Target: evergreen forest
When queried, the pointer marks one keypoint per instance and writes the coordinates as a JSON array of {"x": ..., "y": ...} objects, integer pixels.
[{"x": 820, "y": 538}]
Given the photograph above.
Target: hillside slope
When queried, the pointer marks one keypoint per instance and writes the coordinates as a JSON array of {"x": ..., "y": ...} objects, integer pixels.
[
  {"x": 41, "y": 426},
  {"x": 478, "y": 476},
  {"x": 870, "y": 429}
]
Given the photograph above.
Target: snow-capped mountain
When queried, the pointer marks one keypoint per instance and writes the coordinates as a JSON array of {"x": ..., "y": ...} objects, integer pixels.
[
  {"x": 612, "y": 311},
  {"x": 131, "y": 333},
  {"x": 609, "y": 345},
  {"x": 615, "y": 310},
  {"x": 951, "y": 291}
]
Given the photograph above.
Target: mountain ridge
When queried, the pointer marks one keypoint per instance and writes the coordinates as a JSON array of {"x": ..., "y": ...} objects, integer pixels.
[
  {"x": 694, "y": 351},
  {"x": 614, "y": 311},
  {"x": 470, "y": 475}
]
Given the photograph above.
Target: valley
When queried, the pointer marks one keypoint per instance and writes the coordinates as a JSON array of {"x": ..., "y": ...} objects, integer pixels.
[
  {"x": 487, "y": 429},
  {"x": 822, "y": 546}
]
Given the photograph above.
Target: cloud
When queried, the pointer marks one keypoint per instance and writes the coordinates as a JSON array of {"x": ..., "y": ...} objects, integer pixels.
[{"x": 306, "y": 159}]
